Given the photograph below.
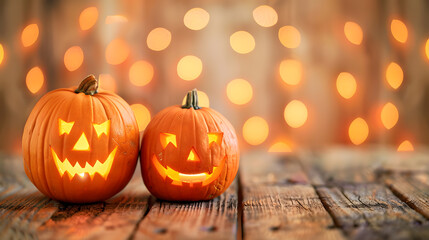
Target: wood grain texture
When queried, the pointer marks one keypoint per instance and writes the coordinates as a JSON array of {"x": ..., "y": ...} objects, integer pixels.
[
  {"x": 115, "y": 218},
  {"x": 215, "y": 219},
  {"x": 278, "y": 202},
  {"x": 413, "y": 190}
]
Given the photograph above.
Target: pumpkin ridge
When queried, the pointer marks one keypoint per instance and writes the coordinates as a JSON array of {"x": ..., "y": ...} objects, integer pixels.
[{"x": 48, "y": 122}]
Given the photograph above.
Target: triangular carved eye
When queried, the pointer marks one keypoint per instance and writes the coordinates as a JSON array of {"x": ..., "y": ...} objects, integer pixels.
[
  {"x": 65, "y": 127},
  {"x": 167, "y": 138},
  {"x": 215, "y": 137},
  {"x": 102, "y": 128}
]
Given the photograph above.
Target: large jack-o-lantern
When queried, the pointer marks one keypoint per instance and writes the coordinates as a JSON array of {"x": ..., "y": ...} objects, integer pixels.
[
  {"x": 80, "y": 145},
  {"x": 189, "y": 153}
]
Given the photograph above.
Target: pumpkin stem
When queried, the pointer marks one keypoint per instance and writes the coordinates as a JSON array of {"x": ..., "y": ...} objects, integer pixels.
[
  {"x": 89, "y": 86},
  {"x": 192, "y": 100}
]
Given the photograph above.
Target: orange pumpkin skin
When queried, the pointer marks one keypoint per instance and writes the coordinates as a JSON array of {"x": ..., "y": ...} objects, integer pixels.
[
  {"x": 188, "y": 166},
  {"x": 95, "y": 134}
]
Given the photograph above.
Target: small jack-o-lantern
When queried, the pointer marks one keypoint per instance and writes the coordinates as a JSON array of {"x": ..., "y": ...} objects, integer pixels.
[
  {"x": 80, "y": 145},
  {"x": 189, "y": 153}
]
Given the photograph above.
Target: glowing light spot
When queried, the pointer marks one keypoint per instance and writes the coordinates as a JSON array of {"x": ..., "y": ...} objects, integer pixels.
[
  {"x": 203, "y": 99},
  {"x": 193, "y": 157},
  {"x": 189, "y": 68},
  {"x": 116, "y": 19},
  {"x": 196, "y": 19},
  {"x": 427, "y": 49},
  {"x": 107, "y": 82},
  {"x": 81, "y": 174},
  {"x": 141, "y": 73},
  {"x": 34, "y": 79},
  {"x": 280, "y": 147},
  {"x": 291, "y": 71},
  {"x": 73, "y": 58},
  {"x": 81, "y": 144},
  {"x": 158, "y": 39},
  {"x": 394, "y": 75},
  {"x": 289, "y": 36},
  {"x": 295, "y": 113},
  {"x": 117, "y": 52},
  {"x": 242, "y": 42},
  {"x": 405, "y": 146},
  {"x": 167, "y": 138},
  {"x": 346, "y": 85},
  {"x": 142, "y": 115},
  {"x": 88, "y": 17},
  {"x": 353, "y": 32},
  {"x": 358, "y": 131},
  {"x": 399, "y": 30},
  {"x": 102, "y": 128},
  {"x": 389, "y": 115},
  {"x": 255, "y": 130},
  {"x": 64, "y": 127},
  {"x": 265, "y": 16},
  {"x": 29, "y": 35},
  {"x": 239, "y": 91},
  {"x": 1, "y": 53},
  {"x": 215, "y": 137}
]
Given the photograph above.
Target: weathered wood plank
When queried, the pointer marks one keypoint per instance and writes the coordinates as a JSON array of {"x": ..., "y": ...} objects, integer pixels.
[
  {"x": 414, "y": 190},
  {"x": 368, "y": 204},
  {"x": 23, "y": 211},
  {"x": 215, "y": 219},
  {"x": 115, "y": 218},
  {"x": 277, "y": 208}
]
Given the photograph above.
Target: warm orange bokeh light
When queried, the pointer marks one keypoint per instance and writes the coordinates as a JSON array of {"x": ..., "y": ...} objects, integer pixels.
[
  {"x": 34, "y": 79},
  {"x": 279, "y": 147},
  {"x": 141, "y": 73},
  {"x": 116, "y": 19},
  {"x": 346, "y": 85},
  {"x": 353, "y": 32},
  {"x": 203, "y": 99},
  {"x": 73, "y": 58},
  {"x": 291, "y": 71},
  {"x": 117, "y": 52},
  {"x": 196, "y": 19},
  {"x": 265, "y": 16},
  {"x": 358, "y": 131},
  {"x": 1, "y": 53},
  {"x": 389, "y": 115},
  {"x": 399, "y": 30},
  {"x": 295, "y": 113},
  {"x": 255, "y": 130},
  {"x": 29, "y": 35},
  {"x": 405, "y": 146},
  {"x": 239, "y": 91},
  {"x": 142, "y": 115},
  {"x": 158, "y": 39},
  {"x": 107, "y": 82},
  {"x": 88, "y": 17},
  {"x": 394, "y": 75},
  {"x": 189, "y": 67},
  {"x": 242, "y": 42},
  {"x": 427, "y": 49},
  {"x": 289, "y": 36}
]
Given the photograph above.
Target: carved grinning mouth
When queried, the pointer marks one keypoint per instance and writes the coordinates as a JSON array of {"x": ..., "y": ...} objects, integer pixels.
[
  {"x": 178, "y": 178},
  {"x": 101, "y": 168}
]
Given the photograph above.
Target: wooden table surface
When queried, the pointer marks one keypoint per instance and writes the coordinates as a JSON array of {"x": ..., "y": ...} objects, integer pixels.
[{"x": 338, "y": 193}]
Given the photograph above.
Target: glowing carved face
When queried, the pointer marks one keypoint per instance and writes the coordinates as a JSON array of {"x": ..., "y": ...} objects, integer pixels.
[
  {"x": 177, "y": 177},
  {"x": 81, "y": 147}
]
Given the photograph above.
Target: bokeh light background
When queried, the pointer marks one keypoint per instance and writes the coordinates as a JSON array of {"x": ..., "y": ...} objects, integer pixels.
[{"x": 287, "y": 74}]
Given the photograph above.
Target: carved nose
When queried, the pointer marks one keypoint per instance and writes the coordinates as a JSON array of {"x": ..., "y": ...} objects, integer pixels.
[
  {"x": 81, "y": 144},
  {"x": 193, "y": 157}
]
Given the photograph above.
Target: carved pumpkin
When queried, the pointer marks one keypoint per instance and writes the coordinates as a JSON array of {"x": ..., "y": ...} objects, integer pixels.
[
  {"x": 189, "y": 153},
  {"x": 80, "y": 145}
]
